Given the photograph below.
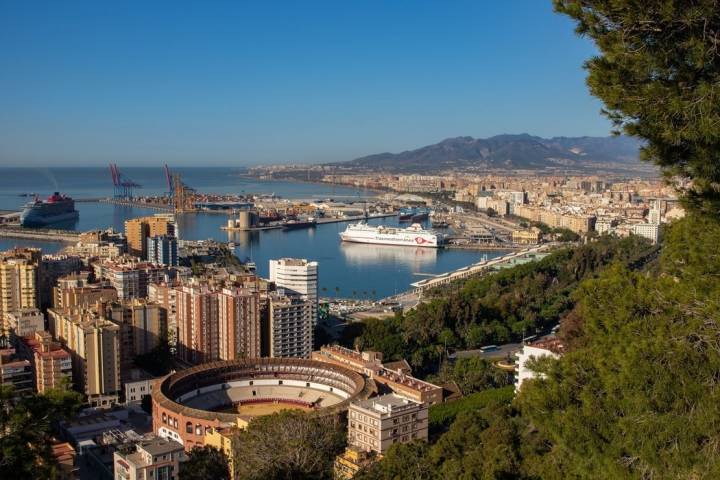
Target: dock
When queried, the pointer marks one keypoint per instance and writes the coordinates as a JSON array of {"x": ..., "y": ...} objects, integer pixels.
[
  {"x": 319, "y": 221},
  {"x": 42, "y": 234}
]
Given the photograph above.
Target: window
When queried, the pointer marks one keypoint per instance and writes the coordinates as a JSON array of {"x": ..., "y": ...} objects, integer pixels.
[
  {"x": 164, "y": 418},
  {"x": 188, "y": 427},
  {"x": 198, "y": 429}
]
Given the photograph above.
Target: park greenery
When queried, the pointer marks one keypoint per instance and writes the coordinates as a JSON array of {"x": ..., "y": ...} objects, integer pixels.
[
  {"x": 636, "y": 394},
  {"x": 28, "y": 424},
  {"x": 203, "y": 463},
  {"x": 498, "y": 308}
]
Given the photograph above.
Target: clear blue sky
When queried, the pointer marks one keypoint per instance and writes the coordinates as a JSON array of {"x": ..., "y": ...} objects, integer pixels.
[{"x": 238, "y": 83}]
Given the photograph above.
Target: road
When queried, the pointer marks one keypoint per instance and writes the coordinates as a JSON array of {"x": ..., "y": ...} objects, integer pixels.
[{"x": 502, "y": 351}]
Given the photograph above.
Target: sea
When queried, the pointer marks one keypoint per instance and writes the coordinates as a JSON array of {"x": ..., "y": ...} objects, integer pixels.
[{"x": 345, "y": 270}]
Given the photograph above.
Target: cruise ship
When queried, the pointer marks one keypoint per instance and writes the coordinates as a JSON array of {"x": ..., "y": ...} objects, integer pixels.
[
  {"x": 57, "y": 208},
  {"x": 413, "y": 236}
]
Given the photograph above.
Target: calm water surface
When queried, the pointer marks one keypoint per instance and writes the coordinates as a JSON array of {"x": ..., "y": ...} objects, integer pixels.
[{"x": 353, "y": 268}]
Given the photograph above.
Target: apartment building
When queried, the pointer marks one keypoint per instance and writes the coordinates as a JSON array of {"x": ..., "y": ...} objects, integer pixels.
[
  {"x": 18, "y": 279},
  {"x": 51, "y": 364},
  {"x": 131, "y": 279},
  {"x": 76, "y": 290},
  {"x": 163, "y": 250},
  {"x": 94, "y": 345},
  {"x": 24, "y": 322},
  {"x": 297, "y": 277},
  {"x": 215, "y": 323},
  {"x": 142, "y": 324},
  {"x": 154, "y": 459},
  {"x": 15, "y": 372},
  {"x": 138, "y": 230},
  {"x": 290, "y": 326},
  {"x": 378, "y": 423}
]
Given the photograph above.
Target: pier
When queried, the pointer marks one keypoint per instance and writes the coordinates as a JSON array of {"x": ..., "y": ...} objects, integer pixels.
[
  {"x": 128, "y": 203},
  {"x": 43, "y": 234},
  {"x": 319, "y": 221}
]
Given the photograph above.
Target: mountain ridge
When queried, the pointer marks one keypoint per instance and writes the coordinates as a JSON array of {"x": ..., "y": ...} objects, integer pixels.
[{"x": 508, "y": 151}]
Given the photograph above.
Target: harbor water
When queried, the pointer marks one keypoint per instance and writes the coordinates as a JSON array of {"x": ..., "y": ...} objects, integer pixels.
[{"x": 346, "y": 270}]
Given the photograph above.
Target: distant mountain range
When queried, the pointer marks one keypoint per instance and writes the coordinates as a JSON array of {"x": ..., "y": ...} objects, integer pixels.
[{"x": 521, "y": 151}]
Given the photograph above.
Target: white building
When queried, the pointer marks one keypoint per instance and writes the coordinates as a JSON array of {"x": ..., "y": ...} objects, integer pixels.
[
  {"x": 549, "y": 348},
  {"x": 378, "y": 423},
  {"x": 298, "y": 277},
  {"x": 650, "y": 231}
]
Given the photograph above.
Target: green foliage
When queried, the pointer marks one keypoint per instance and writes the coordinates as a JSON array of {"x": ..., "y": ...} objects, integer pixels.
[
  {"x": 289, "y": 445},
  {"x": 203, "y": 463},
  {"x": 26, "y": 424},
  {"x": 657, "y": 72},
  {"x": 497, "y": 308},
  {"x": 472, "y": 375},
  {"x": 637, "y": 396},
  {"x": 483, "y": 441},
  {"x": 443, "y": 415}
]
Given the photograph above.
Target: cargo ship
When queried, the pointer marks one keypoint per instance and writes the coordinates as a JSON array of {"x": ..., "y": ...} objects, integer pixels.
[
  {"x": 412, "y": 236},
  {"x": 299, "y": 223},
  {"x": 413, "y": 214},
  {"x": 56, "y": 209}
]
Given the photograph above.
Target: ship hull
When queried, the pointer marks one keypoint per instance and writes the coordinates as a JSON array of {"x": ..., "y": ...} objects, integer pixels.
[
  {"x": 32, "y": 219},
  {"x": 382, "y": 241}
]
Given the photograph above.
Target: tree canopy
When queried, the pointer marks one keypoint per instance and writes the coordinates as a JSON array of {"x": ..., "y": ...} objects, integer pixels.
[
  {"x": 203, "y": 463},
  {"x": 658, "y": 71},
  {"x": 27, "y": 425}
]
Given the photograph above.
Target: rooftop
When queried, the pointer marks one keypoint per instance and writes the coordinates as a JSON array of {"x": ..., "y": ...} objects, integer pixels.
[{"x": 385, "y": 403}]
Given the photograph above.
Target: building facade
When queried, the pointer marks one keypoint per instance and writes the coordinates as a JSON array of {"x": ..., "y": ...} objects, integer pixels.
[
  {"x": 297, "y": 277},
  {"x": 378, "y": 423}
]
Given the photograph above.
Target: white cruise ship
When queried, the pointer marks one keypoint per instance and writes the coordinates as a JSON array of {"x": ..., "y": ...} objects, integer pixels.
[{"x": 413, "y": 236}]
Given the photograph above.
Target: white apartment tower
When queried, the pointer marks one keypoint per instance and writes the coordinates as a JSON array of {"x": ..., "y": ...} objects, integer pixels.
[{"x": 298, "y": 277}]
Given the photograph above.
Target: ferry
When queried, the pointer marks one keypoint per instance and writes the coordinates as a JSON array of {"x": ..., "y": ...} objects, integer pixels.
[
  {"x": 412, "y": 236},
  {"x": 57, "y": 208}
]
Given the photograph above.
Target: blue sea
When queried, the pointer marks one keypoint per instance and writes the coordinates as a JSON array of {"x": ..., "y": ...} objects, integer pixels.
[{"x": 356, "y": 269}]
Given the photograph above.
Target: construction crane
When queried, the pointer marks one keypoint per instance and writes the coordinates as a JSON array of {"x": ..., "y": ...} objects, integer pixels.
[
  {"x": 181, "y": 195},
  {"x": 123, "y": 187}
]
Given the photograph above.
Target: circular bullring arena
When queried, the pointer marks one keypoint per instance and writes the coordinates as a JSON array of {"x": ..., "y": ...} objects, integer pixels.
[{"x": 192, "y": 402}]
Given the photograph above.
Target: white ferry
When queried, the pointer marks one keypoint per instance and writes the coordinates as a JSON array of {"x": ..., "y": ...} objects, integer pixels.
[{"x": 413, "y": 236}]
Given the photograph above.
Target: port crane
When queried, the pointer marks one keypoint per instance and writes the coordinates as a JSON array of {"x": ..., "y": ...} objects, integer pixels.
[
  {"x": 123, "y": 187},
  {"x": 182, "y": 197}
]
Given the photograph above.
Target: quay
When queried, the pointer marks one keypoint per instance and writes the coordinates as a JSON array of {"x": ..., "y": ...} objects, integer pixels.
[
  {"x": 319, "y": 221},
  {"x": 129, "y": 203},
  {"x": 508, "y": 260},
  {"x": 44, "y": 234}
]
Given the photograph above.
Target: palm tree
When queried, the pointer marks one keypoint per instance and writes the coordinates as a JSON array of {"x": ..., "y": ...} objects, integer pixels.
[{"x": 337, "y": 291}]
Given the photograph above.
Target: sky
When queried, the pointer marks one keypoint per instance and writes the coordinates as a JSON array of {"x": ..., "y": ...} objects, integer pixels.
[{"x": 241, "y": 83}]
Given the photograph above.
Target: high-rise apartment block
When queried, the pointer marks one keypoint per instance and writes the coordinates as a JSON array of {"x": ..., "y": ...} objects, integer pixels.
[
  {"x": 378, "y": 423},
  {"x": 163, "y": 250},
  {"x": 297, "y": 277},
  {"x": 18, "y": 279},
  {"x": 76, "y": 290},
  {"x": 94, "y": 344},
  {"x": 290, "y": 326},
  {"x": 239, "y": 313},
  {"x": 142, "y": 325},
  {"x": 138, "y": 230},
  {"x": 216, "y": 323},
  {"x": 131, "y": 279}
]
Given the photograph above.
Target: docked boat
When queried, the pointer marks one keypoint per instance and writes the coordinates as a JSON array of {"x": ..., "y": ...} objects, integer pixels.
[
  {"x": 300, "y": 223},
  {"x": 56, "y": 209},
  {"x": 412, "y": 236}
]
